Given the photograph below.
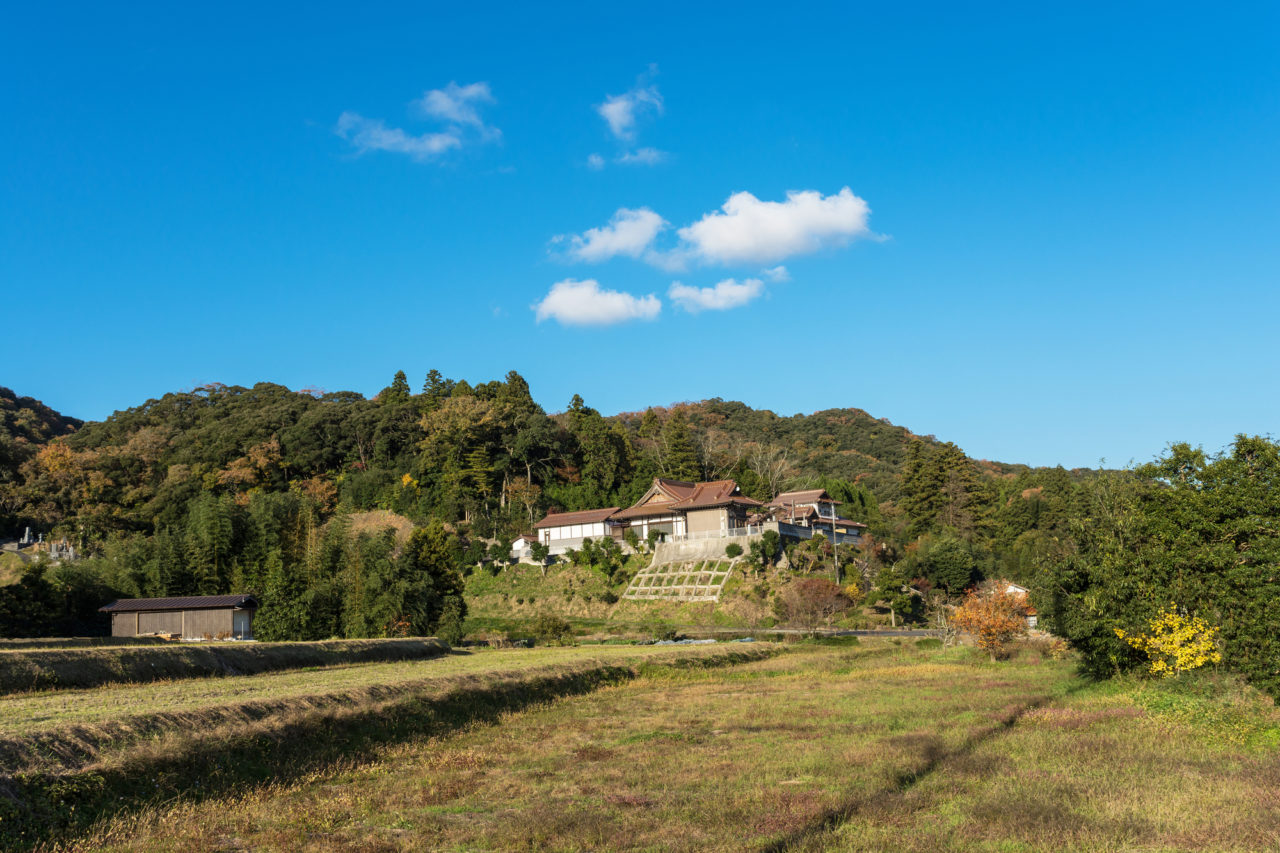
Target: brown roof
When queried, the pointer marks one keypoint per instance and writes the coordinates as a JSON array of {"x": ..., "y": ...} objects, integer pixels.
[
  {"x": 192, "y": 602},
  {"x": 692, "y": 496},
  {"x": 586, "y": 516},
  {"x": 808, "y": 496},
  {"x": 646, "y": 511}
]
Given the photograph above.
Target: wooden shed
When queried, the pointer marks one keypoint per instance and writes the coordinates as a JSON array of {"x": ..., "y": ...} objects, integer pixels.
[{"x": 198, "y": 617}]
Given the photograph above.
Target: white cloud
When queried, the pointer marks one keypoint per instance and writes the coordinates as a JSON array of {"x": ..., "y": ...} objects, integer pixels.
[
  {"x": 456, "y": 106},
  {"x": 727, "y": 294},
  {"x": 583, "y": 303},
  {"x": 778, "y": 273},
  {"x": 595, "y": 162},
  {"x": 642, "y": 157},
  {"x": 748, "y": 230},
  {"x": 629, "y": 232},
  {"x": 368, "y": 134},
  {"x": 620, "y": 112}
]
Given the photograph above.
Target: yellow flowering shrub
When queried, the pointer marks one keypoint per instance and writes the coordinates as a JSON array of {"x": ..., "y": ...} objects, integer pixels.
[{"x": 1176, "y": 642}]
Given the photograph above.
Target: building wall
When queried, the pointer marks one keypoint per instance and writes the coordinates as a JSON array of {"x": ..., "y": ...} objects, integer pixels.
[
  {"x": 189, "y": 624},
  {"x": 124, "y": 624},
  {"x": 211, "y": 622},
  {"x": 573, "y": 531},
  {"x": 160, "y": 622},
  {"x": 707, "y": 520}
]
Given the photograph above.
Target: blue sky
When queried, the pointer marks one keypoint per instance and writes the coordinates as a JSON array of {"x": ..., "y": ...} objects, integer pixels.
[{"x": 1048, "y": 234}]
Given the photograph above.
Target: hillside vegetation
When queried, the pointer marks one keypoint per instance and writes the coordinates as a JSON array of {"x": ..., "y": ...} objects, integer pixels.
[{"x": 364, "y": 518}]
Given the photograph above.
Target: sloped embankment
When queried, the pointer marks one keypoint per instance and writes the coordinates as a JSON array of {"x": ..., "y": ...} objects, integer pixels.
[
  {"x": 39, "y": 669},
  {"x": 57, "y": 784}
]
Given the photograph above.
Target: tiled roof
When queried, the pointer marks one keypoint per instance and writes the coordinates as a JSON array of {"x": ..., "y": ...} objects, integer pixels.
[
  {"x": 693, "y": 496},
  {"x": 715, "y": 493},
  {"x": 586, "y": 516},
  {"x": 646, "y": 511},
  {"x": 808, "y": 496},
  {"x": 193, "y": 602}
]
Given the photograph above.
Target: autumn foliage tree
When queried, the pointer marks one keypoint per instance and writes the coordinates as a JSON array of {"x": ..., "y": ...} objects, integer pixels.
[
  {"x": 810, "y": 602},
  {"x": 993, "y": 617}
]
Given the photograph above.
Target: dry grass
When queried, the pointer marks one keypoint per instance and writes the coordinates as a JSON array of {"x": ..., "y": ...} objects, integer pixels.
[
  {"x": 877, "y": 748},
  {"x": 38, "y": 669},
  {"x": 62, "y": 777},
  {"x": 27, "y": 644}
]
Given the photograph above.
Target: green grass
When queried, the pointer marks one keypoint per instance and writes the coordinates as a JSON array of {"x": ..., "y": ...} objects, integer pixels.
[
  {"x": 869, "y": 747},
  {"x": 11, "y": 566}
]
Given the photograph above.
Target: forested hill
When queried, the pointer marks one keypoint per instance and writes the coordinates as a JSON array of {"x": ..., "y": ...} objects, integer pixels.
[
  {"x": 486, "y": 455},
  {"x": 26, "y": 425},
  {"x": 847, "y": 444}
]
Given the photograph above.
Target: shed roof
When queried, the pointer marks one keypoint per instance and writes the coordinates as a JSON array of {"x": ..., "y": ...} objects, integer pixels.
[{"x": 192, "y": 602}]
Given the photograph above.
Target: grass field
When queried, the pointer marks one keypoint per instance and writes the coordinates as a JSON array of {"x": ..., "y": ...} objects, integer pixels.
[
  {"x": 870, "y": 747},
  {"x": 72, "y": 757},
  {"x": 25, "y": 668}
]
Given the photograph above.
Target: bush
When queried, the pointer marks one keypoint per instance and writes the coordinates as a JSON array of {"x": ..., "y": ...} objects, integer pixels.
[
  {"x": 993, "y": 617},
  {"x": 733, "y": 550},
  {"x": 452, "y": 614},
  {"x": 1177, "y": 642},
  {"x": 553, "y": 629},
  {"x": 609, "y": 597},
  {"x": 812, "y": 601}
]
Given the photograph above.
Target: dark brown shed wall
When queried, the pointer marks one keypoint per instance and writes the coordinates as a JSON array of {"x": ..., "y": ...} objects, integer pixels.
[
  {"x": 211, "y": 622},
  {"x": 162, "y": 622}
]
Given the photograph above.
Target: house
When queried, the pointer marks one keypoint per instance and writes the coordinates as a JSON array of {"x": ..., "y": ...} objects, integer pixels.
[
  {"x": 815, "y": 509},
  {"x": 680, "y": 510},
  {"x": 562, "y": 530},
  {"x": 196, "y": 617},
  {"x": 675, "y": 509},
  {"x": 521, "y": 545}
]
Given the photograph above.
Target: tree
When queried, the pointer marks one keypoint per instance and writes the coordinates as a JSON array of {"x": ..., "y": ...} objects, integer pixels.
[
  {"x": 397, "y": 391},
  {"x": 993, "y": 617},
  {"x": 813, "y": 601},
  {"x": 540, "y": 552},
  {"x": 948, "y": 564},
  {"x": 1177, "y": 642},
  {"x": 893, "y": 588},
  {"x": 764, "y": 552},
  {"x": 679, "y": 458}
]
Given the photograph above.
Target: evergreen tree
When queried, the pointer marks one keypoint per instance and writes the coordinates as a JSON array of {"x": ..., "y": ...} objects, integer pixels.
[
  {"x": 679, "y": 458},
  {"x": 398, "y": 391}
]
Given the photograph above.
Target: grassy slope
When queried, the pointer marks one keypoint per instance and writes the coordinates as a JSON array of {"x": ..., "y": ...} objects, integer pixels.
[
  {"x": 518, "y": 594},
  {"x": 879, "y": 747},
  {"x": 11, "y": 566}
]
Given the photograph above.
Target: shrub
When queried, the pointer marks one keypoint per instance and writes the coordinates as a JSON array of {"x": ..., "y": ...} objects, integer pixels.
[
  {"x": 1177, "y": 642},
  {"x": 552, "y": 629},
  {"x": 733, "y": 550},
  {"x": 993, "y": 617},
  {"x": 609, "y": 597},
  {"x": 452, "y": 613},
  {"x": 811, "y": 601}
]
